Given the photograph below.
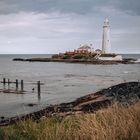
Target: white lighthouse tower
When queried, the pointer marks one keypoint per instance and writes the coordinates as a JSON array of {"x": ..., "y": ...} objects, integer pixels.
[{"x": 106, "y": 46}]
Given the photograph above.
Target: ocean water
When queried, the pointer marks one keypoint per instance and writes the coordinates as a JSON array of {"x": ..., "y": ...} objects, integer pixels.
[{"x": 62, "y": 82}]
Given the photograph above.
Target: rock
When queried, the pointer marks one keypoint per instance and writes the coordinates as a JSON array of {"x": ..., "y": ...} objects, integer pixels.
[
  {"x": 31, "y": 104},
  {"x": 2, "y": 117},
  {"x": 84, "y": 61},
  {"x": 92, "y": 107},
  {"x": 18, "y": 59}
]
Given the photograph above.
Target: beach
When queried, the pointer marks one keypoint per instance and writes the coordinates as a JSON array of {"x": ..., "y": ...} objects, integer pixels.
[{"x": 124, "y": 94}]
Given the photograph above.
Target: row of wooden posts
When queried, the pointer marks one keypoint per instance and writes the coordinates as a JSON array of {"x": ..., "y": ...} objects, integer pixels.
[{"x": 22, "y": 84}]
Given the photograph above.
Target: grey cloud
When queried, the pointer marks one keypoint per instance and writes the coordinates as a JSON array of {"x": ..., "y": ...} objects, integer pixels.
[
  {"x": 52, "y": 26},
  {"x": 130, "y": 6},
  {"x": 67, "y": 6}
]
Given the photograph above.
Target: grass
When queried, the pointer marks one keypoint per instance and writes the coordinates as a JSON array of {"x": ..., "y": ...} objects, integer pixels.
[{"x": 114, "y": 123}]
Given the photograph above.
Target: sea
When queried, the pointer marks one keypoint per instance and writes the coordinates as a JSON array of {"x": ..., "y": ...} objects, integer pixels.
[{"x": 60, "y": 82}]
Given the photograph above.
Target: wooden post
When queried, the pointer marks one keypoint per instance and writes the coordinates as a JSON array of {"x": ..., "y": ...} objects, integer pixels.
[
  {"x": 16, "y": 84},
  {"x": 4, "y": 81},
  {"x": 8, "y": 81},
  {"x": 38, "y": 86},
  {"x": 22, "y": 85}
]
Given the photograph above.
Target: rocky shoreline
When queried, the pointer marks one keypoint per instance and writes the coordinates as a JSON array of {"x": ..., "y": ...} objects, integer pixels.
[
  {"x": 124, "y": 93},
  {"x": 82, "y": 61}
]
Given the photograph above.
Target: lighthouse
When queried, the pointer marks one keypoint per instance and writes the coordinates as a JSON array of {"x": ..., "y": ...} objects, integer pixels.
[{"x": 106, "y": 46}]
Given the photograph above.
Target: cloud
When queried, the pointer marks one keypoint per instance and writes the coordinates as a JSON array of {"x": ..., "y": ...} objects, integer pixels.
[
  {"x": 67, "y": 6},
  {"x": 37, "y": 24},
  {"x": 52, "y": 26},
  {"x": 40, "y": 31},
  {"x": 129, "y": 6}
]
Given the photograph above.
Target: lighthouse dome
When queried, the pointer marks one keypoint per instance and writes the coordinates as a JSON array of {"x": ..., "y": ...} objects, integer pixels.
[{"x": 106, "y": 22}]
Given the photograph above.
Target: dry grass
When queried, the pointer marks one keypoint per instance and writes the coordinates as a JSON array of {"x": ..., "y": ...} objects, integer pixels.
[{"x": 114, "y": 123}]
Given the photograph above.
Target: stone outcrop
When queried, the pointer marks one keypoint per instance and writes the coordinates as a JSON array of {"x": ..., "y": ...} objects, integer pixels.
[{"x": 82, "y": 61}]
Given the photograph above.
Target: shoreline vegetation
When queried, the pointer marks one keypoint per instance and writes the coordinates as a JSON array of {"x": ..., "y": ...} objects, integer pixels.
[
  {"x": 125, "y": 94},
  {"x": 113, "y": 123},
  {"x": 88, "y": 58}
]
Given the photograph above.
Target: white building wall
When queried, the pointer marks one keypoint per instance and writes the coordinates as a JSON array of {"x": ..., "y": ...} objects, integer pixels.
[{"x": 116, "y": 58}]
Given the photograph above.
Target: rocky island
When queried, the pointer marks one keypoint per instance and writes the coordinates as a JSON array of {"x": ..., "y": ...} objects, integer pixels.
[{"x": 87, "y": 58}]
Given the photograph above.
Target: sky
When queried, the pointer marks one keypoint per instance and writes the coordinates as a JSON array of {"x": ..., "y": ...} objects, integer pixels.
[{"x": 53, "y": 26}]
